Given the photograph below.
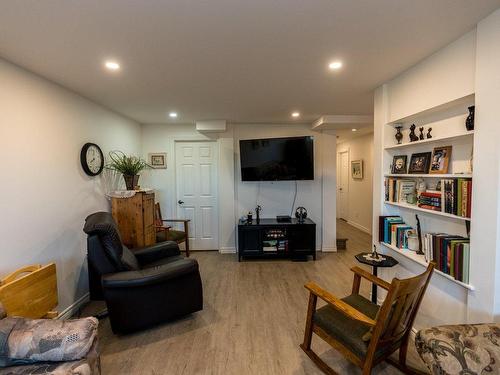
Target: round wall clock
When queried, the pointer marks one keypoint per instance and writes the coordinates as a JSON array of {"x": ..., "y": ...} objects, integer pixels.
[{"x": 92, "y": 159}]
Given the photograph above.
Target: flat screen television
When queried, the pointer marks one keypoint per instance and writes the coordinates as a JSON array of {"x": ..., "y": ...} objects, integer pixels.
[{"x": 276, "y": 159}]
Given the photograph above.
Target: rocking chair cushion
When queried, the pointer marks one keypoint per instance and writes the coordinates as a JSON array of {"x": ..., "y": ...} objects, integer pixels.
[
  {"x": 171, "y": 235},
  {"x": 349, "y": 332}
]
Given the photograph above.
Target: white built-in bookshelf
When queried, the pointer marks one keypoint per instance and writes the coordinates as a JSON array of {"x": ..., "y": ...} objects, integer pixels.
[{"x": 448, "y": 129}]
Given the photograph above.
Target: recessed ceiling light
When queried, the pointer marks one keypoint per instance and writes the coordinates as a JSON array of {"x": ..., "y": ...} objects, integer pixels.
[
  {"x": 295, "y": 114},
  {"x": 112, "y": 65},
  {"x": 354, "y": 129},
  {"x": 335, "y": 65},
  {"x": 173, "y": 114}
]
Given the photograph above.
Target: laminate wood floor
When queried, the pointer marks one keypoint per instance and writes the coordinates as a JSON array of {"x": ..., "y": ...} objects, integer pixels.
[{"x": 252, "y": 321}]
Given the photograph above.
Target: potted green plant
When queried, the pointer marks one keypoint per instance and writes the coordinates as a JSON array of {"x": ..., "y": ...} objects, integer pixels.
[{"x": 129, "y": 166}]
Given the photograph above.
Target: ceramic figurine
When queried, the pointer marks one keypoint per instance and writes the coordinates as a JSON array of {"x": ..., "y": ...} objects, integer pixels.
[
  {"x": 469, "y": 122},
  {"x": 257, "y": 213},
  {"x": 399, "y": 135},
  {"x": 421, "y": 137},
  {"x": 421, "y": 186},
  {"x": 429, "y": 135},
  {"x": 419, "y": 233},
  {"x": 413, "y": 136}
]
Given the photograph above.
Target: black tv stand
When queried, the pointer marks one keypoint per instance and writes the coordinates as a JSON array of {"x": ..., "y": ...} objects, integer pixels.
[{"x": 269, "y": 238}]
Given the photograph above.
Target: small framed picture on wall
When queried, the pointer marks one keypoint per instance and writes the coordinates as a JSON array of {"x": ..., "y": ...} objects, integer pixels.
[
  {"x": 440, "y": 160},
  {"x": 158, "y": 160},
  {"x": 357, "y": 169}
]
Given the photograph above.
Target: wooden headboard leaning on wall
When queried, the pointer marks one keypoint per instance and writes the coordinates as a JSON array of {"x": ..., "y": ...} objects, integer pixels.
[{"x": 30, "y": 292}]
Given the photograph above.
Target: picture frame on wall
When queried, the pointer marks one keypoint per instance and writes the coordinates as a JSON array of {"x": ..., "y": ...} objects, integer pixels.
[
  {"x": 158, "y": 160},
  {"x": 440, "y": 160},
  {"x": 399, "y": 164},
  {"x": 357, "y": 169},
  {"x": 419, "y": 163}
]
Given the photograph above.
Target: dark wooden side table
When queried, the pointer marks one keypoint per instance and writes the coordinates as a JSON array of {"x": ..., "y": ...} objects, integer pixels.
[{"x": 386, "y": 261}]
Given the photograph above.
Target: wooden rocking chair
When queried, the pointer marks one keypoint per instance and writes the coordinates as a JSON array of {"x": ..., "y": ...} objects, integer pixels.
[
  {"x": 363, "y": 332},
  {"x": 166, "y": 233}
]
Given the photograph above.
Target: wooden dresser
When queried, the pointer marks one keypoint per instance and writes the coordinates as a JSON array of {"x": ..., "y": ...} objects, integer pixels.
[{"x": 135, "y": 219}]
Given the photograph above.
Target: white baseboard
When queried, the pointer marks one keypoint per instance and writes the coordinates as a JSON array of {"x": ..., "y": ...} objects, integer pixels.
[
  {"x": 329, "y": 249},
  {"x": 69, "y": 311},
  {"x": 359, "y": 226},
  {"x": 227, "y": 250}
]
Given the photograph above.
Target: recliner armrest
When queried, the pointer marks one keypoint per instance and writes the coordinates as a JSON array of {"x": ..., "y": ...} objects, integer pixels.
[
  {"x": 150, "y": 276},
  {"x": 156, "y": 252}
]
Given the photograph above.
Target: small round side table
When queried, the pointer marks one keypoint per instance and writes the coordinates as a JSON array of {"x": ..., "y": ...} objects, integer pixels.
[{"x": 386, "y": 261}]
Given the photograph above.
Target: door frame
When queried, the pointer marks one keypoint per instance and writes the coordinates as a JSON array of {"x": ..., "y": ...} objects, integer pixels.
[
  {"x": 173, "y": 162},
  {"x": 339, "y": 163}
]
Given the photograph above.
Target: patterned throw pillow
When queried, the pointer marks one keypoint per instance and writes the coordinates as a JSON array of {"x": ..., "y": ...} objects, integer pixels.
[{"x": 43, "y": 340}]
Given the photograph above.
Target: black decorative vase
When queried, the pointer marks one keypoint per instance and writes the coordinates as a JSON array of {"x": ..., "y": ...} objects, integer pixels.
[
  {"x": 399, "y": 135},
  {"x": 469, "y": 122},
  {"x": 131, "y": 181}
]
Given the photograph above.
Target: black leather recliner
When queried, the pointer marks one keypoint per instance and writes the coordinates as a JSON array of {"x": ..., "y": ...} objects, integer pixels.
[{"x": 143, "y": 287}]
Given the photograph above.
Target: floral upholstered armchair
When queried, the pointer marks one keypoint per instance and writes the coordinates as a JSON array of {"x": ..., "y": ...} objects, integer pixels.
[
  {"x": 43, "y": 346},
  {"x": 460, "y": 349}
]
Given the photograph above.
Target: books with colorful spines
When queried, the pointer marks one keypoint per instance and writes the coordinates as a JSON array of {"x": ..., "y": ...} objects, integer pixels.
[
  {"x": 381, "y": 226},
  {"x": 466, "y": 257},
  {"x": 390, "y": 226},
  {"x": 446, "y": 252},
  {"x": 465, "y": 195},
  {"x": 459, "y": 192},
  {"x": 387, "y": 222},
  {"x": 455, "y": 209},
  {"x": 404, "y": 240},
  {"x": 469, "y": 198},
  {"x": 392, "y": 231},
  {"x": 431, "y": 194},
  {"x": 429, "y": 201},
  {"x": 428, "y": 207},
  {"x": 398, "y": 236},
  {"x": 390, "y": 190}
]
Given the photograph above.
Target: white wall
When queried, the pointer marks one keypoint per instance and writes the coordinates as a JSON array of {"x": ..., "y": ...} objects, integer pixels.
[
  {"x": 485, "y": 229},
  {"x": 45, "y": 195},
  {"x": 442, "y": 77},
  {"x": 454, "y": 72},
  {"x": 162, "y": 138},
  {"x": 237, "y": 197},
  {"x": 360, "y": 196}
]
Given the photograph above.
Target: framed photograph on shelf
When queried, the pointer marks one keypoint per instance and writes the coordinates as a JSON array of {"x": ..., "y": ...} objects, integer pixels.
[
  {"x": 399, "y": 164},
  {"x": 440, "y": 160},
  {"x": 357, "y": 169},
  {"x": 419, "y": 163},
  {"x": 158, "y": 160}
]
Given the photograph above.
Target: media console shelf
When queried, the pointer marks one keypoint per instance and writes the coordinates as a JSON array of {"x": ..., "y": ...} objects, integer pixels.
[{"x": 272, "y": 239}]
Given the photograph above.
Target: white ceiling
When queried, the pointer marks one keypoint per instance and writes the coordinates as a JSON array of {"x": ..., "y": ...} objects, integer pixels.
[{"x": 240, "y": 60}]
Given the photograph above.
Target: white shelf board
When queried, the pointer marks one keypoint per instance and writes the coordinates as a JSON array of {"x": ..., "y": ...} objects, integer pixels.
[
  {"x": 420, "y": 259},
  {"x": 431, "y": 212},
  {"x": 430, "y": 140},
  {"x": 465, "y": 100},
  {"x": 415, "y": 175}
]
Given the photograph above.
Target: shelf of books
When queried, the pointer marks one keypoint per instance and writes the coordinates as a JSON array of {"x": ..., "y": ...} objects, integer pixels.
[
  {"x": 420, "y": 259},
  {"x": 428, "y": 188},
  {"x": 452, "y": 197}
]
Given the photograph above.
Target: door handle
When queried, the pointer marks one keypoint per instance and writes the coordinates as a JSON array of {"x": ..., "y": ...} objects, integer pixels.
[{"x": 180, "y": 202}]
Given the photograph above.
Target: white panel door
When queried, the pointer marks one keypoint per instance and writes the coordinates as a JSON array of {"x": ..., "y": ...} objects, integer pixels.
[
  {"x": 343, "y": 185},
  {"x": 196, "y": 179}
]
